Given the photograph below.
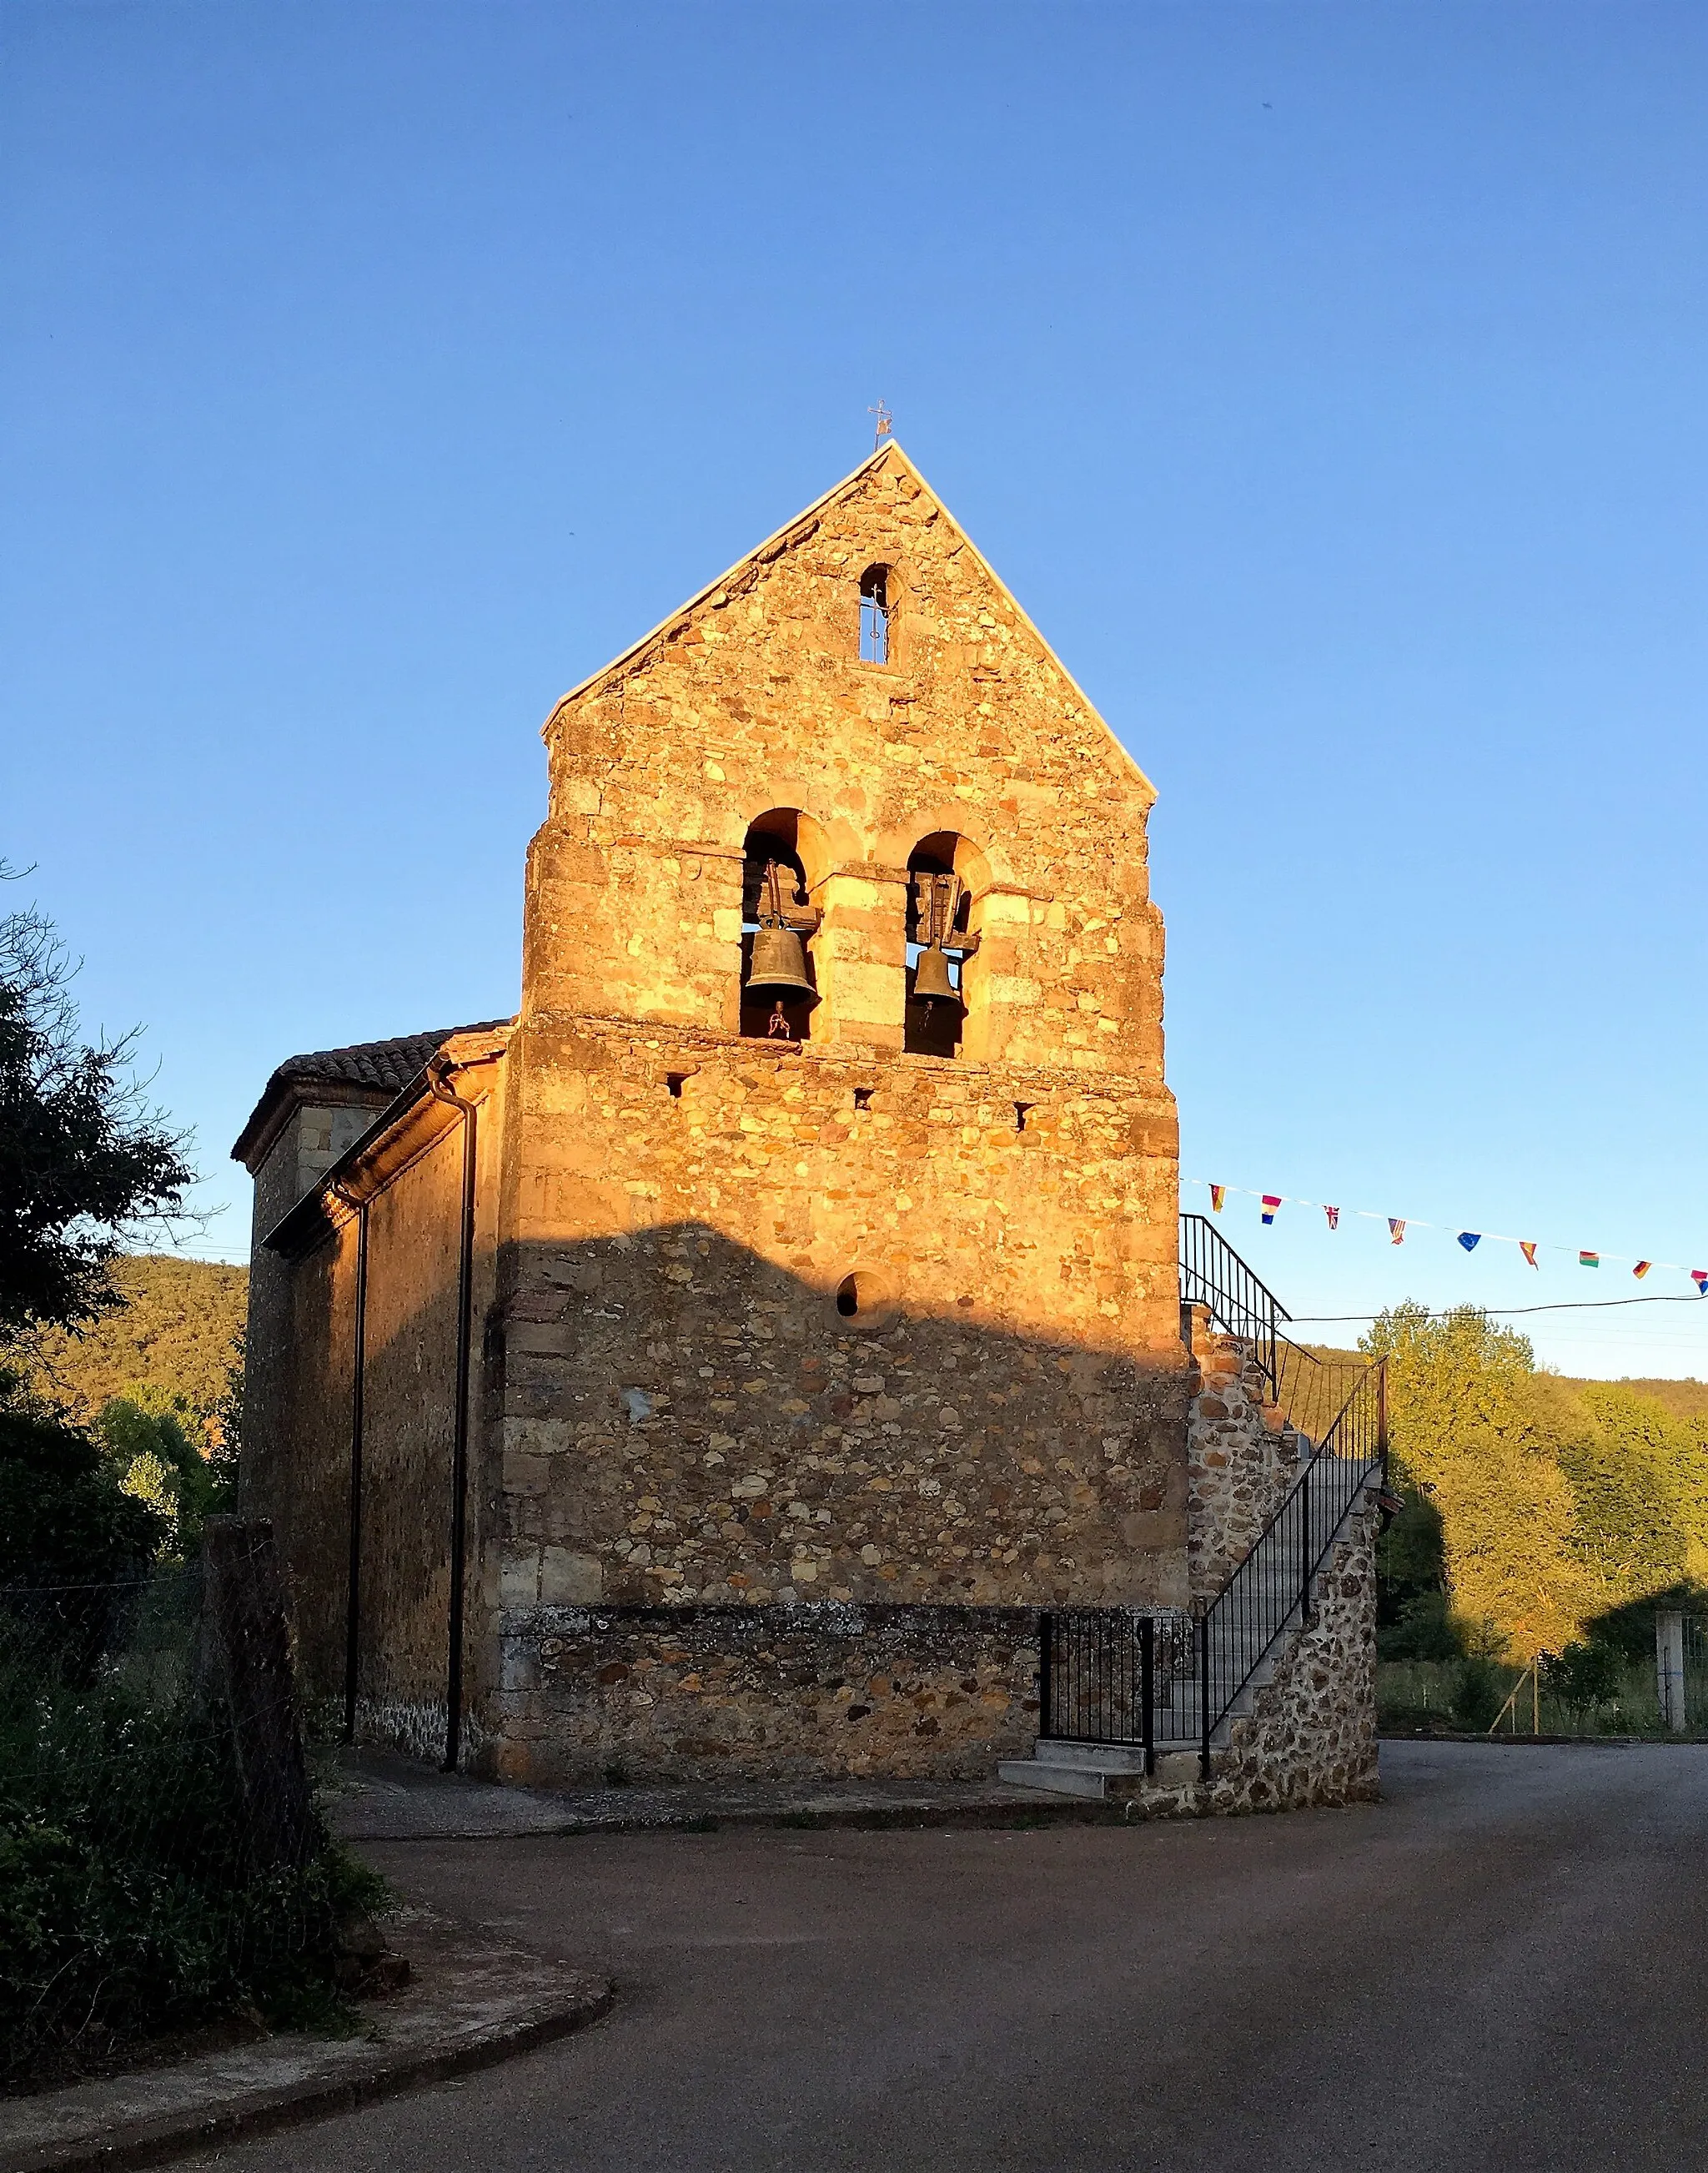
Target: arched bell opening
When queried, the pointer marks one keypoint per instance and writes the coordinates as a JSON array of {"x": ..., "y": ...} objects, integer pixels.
[
  {"x": 778, "y": 989},
  {"x": 947, "y": 875}
]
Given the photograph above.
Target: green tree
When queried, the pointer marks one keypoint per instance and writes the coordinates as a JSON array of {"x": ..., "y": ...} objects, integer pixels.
[
  {"x": 1415, "y": 1619},
  {"x": 1629, "y": 1463},
  {"x": 85, "y": 1161},
  {"x": 154, "y": 1443},
  {"x": 65, "y": 1518},
  {"x": 1467, "y": 1431}
]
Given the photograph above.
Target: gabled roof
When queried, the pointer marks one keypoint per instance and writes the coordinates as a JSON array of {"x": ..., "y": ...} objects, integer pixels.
[
  {"x": 365, "y": 1072},
  {"x": 779, "y": 541}
]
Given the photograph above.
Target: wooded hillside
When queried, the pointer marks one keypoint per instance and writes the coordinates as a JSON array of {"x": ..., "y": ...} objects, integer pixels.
[{"x": 174, "y": 1335}]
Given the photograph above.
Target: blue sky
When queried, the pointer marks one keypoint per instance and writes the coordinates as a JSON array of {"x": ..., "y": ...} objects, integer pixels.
[{"x": 1326, "y": 382}]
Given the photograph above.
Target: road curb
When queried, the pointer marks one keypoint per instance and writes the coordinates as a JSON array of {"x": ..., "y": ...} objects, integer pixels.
[{"x": 478, "y": 2000}]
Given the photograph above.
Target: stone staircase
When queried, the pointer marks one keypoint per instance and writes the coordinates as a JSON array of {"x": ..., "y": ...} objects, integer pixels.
[{"x": 1263, "y": 1628}]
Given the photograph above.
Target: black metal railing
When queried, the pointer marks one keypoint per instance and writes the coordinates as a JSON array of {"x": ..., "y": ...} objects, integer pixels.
[
  {"x": 1136, "y": 1676},
  {"x": 1115, "y": 1674},
  {"x": 1308, "y": 1393},
  {"x": 1213, "y": 1274},
  {"x": 1241, "y": 1626}
]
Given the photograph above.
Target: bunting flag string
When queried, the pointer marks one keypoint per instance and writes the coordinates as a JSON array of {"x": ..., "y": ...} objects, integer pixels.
[{"x": 1530, "y": 1248}]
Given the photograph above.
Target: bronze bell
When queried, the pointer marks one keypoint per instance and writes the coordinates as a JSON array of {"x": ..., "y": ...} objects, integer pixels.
[
  {"x": 778, "y": 961},
  {"x": 931, "y": 977}
]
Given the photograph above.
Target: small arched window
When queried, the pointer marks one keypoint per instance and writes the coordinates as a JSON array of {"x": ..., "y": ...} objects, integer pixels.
[{"x": 875, "y": 615}]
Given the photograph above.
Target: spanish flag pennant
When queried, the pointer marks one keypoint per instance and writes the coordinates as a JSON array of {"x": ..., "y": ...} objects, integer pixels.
[
  {"x": 1272, "y": 1200},
  {"x": 1218, "y": 1193},
  {"x": 1470, "y": 1239},
  {"x": 1396, "y": 1230},
  {"x": 1642, "y": 1268},
  {"x": 1334, "y": 1215},
  {"x": 1699, "y": 1277},
  {"x": 1528, "y": 1247},
  {"x": 1589, "y": 1259}
]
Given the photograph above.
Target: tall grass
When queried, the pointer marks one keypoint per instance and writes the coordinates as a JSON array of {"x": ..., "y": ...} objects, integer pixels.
[{"x": 1430, "y": 1696}]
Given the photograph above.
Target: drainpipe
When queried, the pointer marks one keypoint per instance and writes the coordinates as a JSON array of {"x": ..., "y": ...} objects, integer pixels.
[
  {"x": 352, "y": 1609},
  {"x": 442, "y": 1091}
]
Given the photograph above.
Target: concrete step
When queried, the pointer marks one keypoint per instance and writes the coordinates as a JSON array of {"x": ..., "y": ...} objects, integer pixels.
[
  {"x": 1175, "y": 1768},
  {"x": 1055, "y": 1780},
  {"x": 1112, "y": 1757}
]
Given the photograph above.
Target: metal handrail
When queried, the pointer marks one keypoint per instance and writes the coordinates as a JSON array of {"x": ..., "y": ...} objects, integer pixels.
[
  {"x": 1306, "y": 1391},
  {"x": 1241, "y": 1626},
  {"x": 1122, "y": 1675},
  {"x": 1213, "y": 1274}
]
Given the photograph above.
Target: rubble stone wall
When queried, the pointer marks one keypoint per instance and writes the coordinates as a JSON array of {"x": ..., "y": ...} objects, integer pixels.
[
  {"x": 595, "y": 1695},
  {"x": 1240, "y": 1460},
  {"x": 688, "y": 1416},
  {"x": 1309, "y": 1739}
]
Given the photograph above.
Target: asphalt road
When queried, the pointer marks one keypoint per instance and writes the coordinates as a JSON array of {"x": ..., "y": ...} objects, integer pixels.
[{"x": 1502, "y": 1966}]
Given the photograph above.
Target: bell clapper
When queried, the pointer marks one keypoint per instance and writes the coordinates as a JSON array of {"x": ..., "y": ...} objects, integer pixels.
[{"x": 778, "y": 1024}]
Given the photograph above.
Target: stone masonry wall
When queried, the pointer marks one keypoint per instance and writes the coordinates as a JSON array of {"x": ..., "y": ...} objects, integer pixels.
[
  {"x": 1241, "y": 1460},
  {"x": 1310, "y": 1737},
  {"x": 684, "y": 1413},
  {"x": 688, "y": 1416},
  {"x": 656, "y": 1694},
  {"x": 754, "y": 698}
]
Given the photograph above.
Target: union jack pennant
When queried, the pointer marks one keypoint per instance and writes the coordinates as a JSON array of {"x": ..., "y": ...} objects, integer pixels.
[{"x": 1334, "y": 1215}]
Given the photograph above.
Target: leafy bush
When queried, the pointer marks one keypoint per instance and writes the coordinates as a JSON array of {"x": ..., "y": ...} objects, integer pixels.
[
  {"x": 1423, "y": 1630},
  {"x": 64, "y": 1518},
  {"x": 150, "y": 1440},
  {"x": 130, "y": 1902},
  {"x": 1584, "y": 1675},
  {"x": 1478, "y": 1693}
]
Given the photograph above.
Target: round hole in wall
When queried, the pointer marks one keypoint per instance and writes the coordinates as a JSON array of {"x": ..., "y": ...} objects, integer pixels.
[{"x": 865, "y": 1302}]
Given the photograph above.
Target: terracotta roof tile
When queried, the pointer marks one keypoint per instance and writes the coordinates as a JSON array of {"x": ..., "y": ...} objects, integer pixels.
[
  {"x": 390, "y": 1065},
  {"x": 373, "y": 1067}
]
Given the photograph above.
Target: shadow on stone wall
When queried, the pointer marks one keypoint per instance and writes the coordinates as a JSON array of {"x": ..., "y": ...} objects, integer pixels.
[
  {"x": 682, "y": 1420},
  {"x": 666, "y": 1420}
]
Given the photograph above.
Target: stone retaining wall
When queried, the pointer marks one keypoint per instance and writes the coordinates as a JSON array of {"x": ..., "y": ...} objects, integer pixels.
[
  {"x": 1309, "y": 1739},
  {"x": 1240, "y": 1461}
]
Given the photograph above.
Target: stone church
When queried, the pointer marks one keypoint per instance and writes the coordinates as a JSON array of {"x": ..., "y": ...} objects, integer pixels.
[{"x": 715, "y": 1368}]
